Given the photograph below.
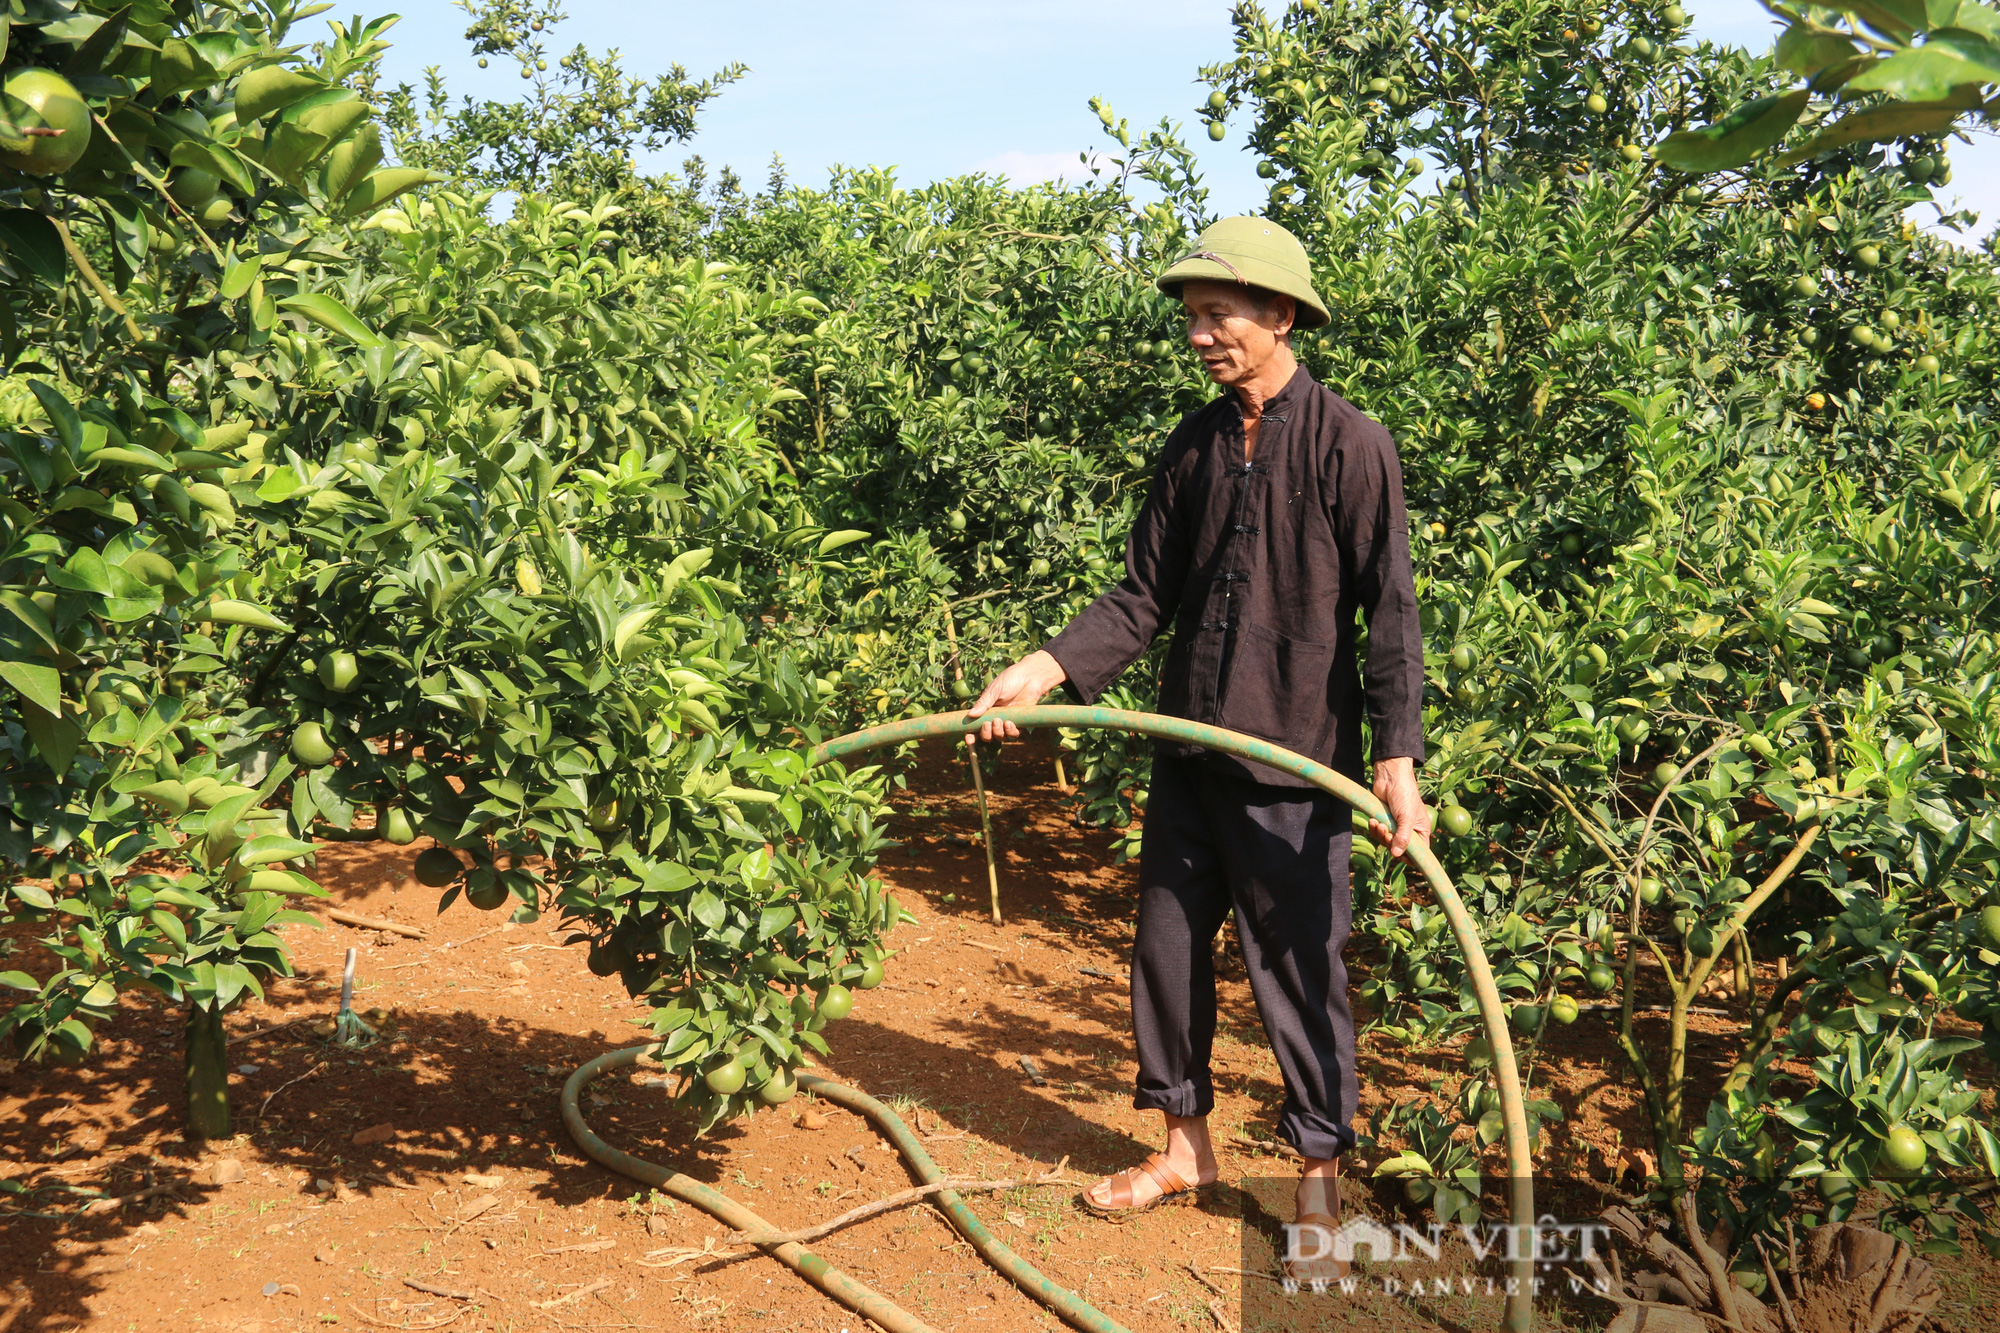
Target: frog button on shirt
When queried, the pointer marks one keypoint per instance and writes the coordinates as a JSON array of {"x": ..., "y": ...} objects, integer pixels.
[{"x": 1259, "y": 567}]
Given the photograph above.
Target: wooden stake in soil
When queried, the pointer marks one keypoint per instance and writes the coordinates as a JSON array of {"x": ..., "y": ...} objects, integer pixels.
[
  {"x": 985, "y": 830},
  {"x": 978, "y": 783}
]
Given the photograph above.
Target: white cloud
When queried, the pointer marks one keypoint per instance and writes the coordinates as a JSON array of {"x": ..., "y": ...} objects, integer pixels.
[{"x": 1023, "y": 169}]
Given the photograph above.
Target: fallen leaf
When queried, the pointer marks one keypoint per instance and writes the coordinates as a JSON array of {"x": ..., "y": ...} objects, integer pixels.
[
  {"x": 809, "y": 1120},
  {"x": 227, "y": 1171},
  {"x": 374, "y": 1134},
  {"x": 492, "y": 1182}
]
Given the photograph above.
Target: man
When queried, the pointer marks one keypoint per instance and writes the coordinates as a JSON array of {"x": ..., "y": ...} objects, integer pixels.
[{"x": 1276, "y": 514}]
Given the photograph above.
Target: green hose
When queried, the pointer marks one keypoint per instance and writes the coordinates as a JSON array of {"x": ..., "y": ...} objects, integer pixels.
[
  {"x": 1520, "y": 1163},
  {"x": 1073, "y": 1309},
  {"x": 854, "y": 1295}
]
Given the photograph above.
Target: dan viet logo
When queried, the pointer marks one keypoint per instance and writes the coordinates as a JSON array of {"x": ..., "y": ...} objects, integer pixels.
[{"x": 1551, "y": 1243}]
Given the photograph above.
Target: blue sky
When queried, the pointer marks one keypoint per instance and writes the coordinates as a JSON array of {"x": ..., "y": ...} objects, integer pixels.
[{"x": 938, "y": 88}]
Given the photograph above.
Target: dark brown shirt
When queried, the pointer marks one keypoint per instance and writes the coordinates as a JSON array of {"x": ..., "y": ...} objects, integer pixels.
[{"x": 1259, "y": 568}]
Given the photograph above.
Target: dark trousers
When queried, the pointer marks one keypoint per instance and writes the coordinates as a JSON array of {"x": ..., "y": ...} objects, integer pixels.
[{"x": 1278, "y": 856}]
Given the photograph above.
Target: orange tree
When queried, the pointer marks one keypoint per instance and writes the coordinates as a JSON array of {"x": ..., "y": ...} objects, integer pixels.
[
  {"x": 427, "y": 528},
  {"x": 534, "y": 523},
  {"x": 157, "y": 159}
]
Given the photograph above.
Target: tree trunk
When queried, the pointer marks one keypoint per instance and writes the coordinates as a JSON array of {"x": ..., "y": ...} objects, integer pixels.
[{"x": 207, "y": 1074}]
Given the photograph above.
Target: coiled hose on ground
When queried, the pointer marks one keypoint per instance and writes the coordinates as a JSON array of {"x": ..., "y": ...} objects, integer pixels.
[
  {"x": 1075, "y": 1311},
  {"x": 856, "y": 1296}
]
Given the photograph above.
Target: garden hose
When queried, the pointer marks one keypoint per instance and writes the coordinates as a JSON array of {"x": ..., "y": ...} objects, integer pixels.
[
  {"x": 856, "y": 1296},
  {"x": 864, "y": 1300},
  {"x": 1521, "y": 1185},
  {"x": 1075, "y": 1311}
]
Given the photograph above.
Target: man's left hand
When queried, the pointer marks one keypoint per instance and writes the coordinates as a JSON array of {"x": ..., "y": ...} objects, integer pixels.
[{"x": 1396, "y": 788}]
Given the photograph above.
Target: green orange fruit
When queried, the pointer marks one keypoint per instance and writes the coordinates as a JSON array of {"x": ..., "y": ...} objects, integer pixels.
[
  {"x": 437, "y": 867},
  {"x": 40, "y": 99},
  {"x": 192, "y": 188},
  {"x": 870, "y": 978},
  {"x": 310, "y": 745},
  {"x": 725, "y": 1078},
  {"x": 1563, "y": 1009},
  {"x": 398, "y": 827},
  {"x": 778, "y": 1089},
  {"x": 1601, "y": 978},
  {"x": 1991, "y": 927},
  {"x": 1455, "y": 820},
  {"x": 339, "y": 671},
  {"x": 1904, "y": 1149},
  {"x": 486, "y": 897},
  {"x": 836, "y": 1003}
]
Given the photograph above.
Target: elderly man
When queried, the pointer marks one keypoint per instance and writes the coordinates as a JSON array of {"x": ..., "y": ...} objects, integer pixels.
[{"x": 1276, "y": 514}]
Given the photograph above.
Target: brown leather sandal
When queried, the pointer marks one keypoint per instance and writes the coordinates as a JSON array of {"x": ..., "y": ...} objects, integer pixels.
[
  {"x": 1173, "y": 1190},
  {"x": 1326, "y": 1269}
]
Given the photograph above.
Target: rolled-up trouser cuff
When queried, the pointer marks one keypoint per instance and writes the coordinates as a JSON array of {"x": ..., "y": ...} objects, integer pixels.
[
  {"x": 1190, "y": 1097},
  {"x": 1312, "y": 1135}
]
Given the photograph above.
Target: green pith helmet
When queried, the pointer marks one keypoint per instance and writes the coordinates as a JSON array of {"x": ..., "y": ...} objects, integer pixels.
[{"x": 1258, "y": 253}]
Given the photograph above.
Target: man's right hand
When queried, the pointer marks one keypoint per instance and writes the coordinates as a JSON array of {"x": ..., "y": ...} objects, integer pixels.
[{"x": 1023, "y": 683}]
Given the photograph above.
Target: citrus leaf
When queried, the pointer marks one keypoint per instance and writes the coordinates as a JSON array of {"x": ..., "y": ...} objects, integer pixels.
[
  {"x": 62, "y": 415},
  {"x": 55, "y": 737},
  {"x": 238, "y": 274},
  {"x": 229, "y": 611},
  {"x": 1736, "y": 138},
  {"x": 217, "y": 161},
  {"x": 39, "y": 685},
  {"x": 1805, "y": 51},
  {"x": 1892, "y": 17},
  {"x": 1895, "y": 121},
  {"x": 271, "y": 88},
  {"x": 833, "y": 541},
  {"x": 1932, "y": 70},
  {"x": 629, "y": 624},
  {"x": 351, "y": 161},
  {"x": 379, "y": 187},
  {"x": 32, "y": 240},
  {"x": 25, "y": 611},
  {"x": 331, "y": 314}
]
